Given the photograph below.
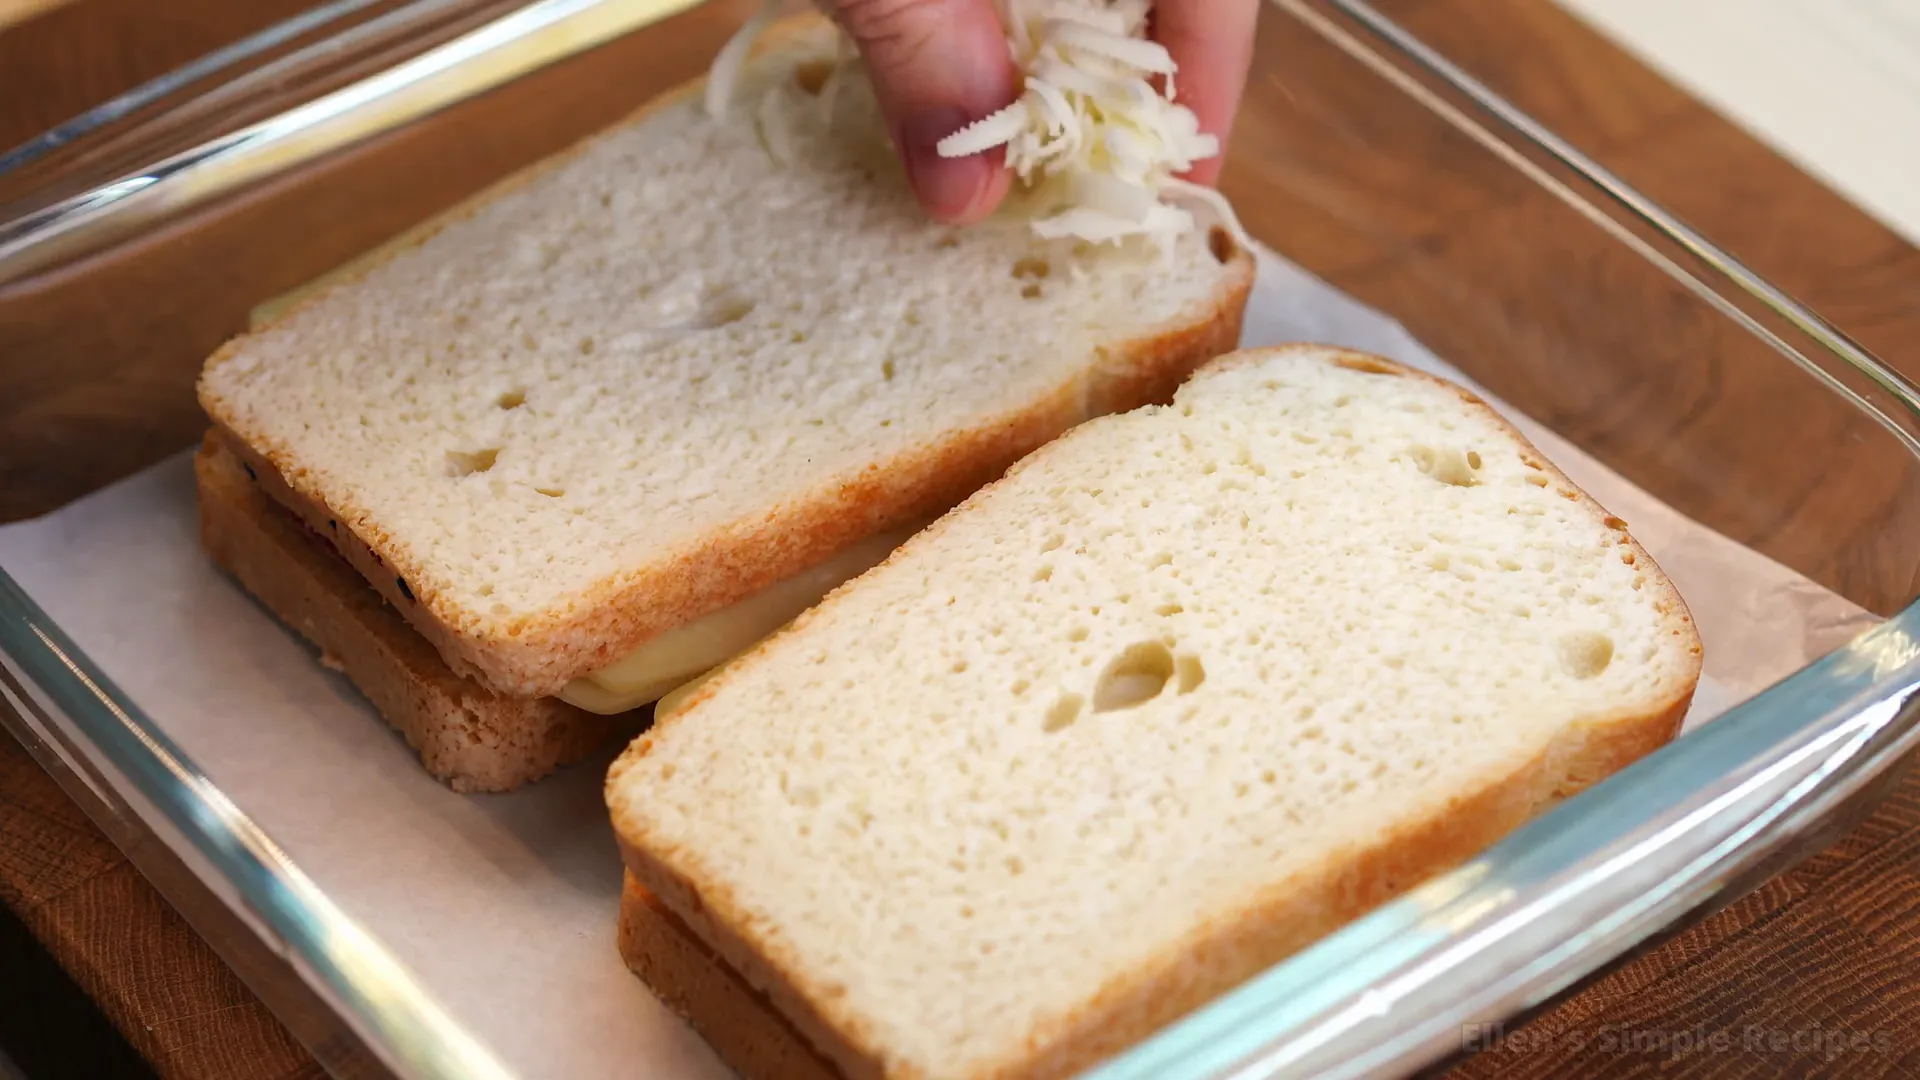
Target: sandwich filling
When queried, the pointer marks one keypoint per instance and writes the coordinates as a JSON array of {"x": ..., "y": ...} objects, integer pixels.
[{"x": 671, "y": 660}]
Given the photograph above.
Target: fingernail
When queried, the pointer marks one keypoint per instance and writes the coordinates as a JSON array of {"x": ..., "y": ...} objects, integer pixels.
[{"x": 948, "y": 187}]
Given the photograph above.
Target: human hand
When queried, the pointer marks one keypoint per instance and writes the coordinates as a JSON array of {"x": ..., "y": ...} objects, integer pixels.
[{"x": 939, "y": 65}]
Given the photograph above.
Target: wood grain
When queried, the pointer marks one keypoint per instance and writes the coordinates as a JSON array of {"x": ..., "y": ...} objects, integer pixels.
[
  {"x": 18, "y": 11},
  {"x": 96, "y": 371}
]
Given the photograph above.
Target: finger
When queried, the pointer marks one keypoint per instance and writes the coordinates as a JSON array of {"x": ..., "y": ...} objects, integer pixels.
[
  {"x": 1212, "y": 42},
  {"x": 937, "y": 66}
]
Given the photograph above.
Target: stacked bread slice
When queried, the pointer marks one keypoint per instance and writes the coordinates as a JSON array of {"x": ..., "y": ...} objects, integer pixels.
[
  {"x": 619, "y": 418},
  {"x": 1184, "y": 691}
]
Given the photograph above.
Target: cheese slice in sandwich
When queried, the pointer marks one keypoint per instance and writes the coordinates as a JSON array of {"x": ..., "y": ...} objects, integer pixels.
[
  {"x": 625, "y": 414},
  {"x": 1184, "y": 691}
]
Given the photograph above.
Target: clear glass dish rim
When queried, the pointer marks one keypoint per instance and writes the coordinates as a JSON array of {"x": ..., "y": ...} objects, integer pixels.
[{"x": 1364, "y": 1001}]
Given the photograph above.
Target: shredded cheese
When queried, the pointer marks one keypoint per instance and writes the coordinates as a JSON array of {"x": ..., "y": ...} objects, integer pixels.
[
  {"x": 724, "y": 76},
  {"x": 1091, "y": 125},
  {"x": 1098, "y": 148}
]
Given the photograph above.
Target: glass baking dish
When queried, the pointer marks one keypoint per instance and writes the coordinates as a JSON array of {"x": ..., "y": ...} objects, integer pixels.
[{"x": 1363, "y": 155}]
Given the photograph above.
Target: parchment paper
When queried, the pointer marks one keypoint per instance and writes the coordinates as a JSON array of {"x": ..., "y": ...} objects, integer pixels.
[{"x": 504, "y": 906}]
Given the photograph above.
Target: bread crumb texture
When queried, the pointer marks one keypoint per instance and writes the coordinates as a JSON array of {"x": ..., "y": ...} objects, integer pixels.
[
  {"x": 1176, "y": 664},
  {"x": 682, "y": 328}
]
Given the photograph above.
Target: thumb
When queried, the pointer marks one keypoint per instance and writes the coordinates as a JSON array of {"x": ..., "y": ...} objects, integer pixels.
[{"x": 936, "y": 66}]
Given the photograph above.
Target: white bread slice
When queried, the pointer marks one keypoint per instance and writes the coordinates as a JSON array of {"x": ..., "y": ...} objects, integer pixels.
[
  {"x": 746, "y": 1031},
  {"x": 684, "y": 361},
  {"x": 468, "y": 737},
  {"x": 1186, "y": 690}
]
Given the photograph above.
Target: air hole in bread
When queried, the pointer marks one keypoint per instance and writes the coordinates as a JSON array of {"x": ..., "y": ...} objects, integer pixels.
[
  {"x": 1045, "y": 573},
  {"x": 811, "y": 77},
  {"x": 1077, "y": 634},
  {"x": 512, "y": 399},
  {"x": 1064, "y": 712},
  {"x": 1585, "y": 653},
  {"x": 1168, "y": 610},
  {"x": 1220, "y": 243},
  {"x": 887, "y": 370},
  {"x": 467, "y": 462},
  {"x": 800, "y": 794},
  {"x": 1133, "y": 678},
  {"x": 1188, "y": 673},
  {"x": 1447, "y": 464},
  {"x": 723, "y": 309},
  {"x": 1031, "y": 291},
  {"x": 1032, "y": 267},
  {"x": 1367, "y": 365}
]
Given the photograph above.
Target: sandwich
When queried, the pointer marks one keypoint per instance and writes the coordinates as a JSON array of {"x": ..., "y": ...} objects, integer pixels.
[
  {"x": 615, "y": 420},
  {"x": 1185, "y": 690}
]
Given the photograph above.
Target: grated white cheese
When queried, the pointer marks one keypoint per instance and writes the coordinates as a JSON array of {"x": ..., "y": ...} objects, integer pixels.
[
  {"x": 1091, "y": 124},
  {"x": 724, "y": 75},
  {"x": 1095, "y": 143}
]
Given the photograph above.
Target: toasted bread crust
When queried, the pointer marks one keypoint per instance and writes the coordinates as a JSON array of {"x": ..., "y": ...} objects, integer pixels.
[
  {"x": 539, "y": 654},
  {"x": 1217, "y": 955},
  {"x": 467, "y": 737},
  {"x": 747, "y": 1032}
]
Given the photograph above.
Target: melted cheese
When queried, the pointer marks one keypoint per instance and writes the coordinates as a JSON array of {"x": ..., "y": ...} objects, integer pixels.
[
  {"x": 675, "y": 701},
  {"x": 674, "y": 658}
]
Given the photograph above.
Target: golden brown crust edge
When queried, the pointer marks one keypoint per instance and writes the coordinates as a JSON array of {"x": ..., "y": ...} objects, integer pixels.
[
  {"x": 744, "y": 1030},
  {"x": 1282, "y": 920},
  {"x": 544, "y": 652},
  {"x": 468, "y": 738}
]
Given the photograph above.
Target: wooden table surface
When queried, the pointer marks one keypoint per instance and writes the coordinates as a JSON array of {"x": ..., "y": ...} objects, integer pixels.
[{"x": 92, "y": 391}]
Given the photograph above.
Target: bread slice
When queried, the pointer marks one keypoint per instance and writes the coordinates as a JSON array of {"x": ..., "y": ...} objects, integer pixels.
[
  {"x": 1186, "y": 690},
  {"x": 467, "y": 736},
  {"x": 686, "y": 360},
  {"x": 746, "y": 1031}
]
